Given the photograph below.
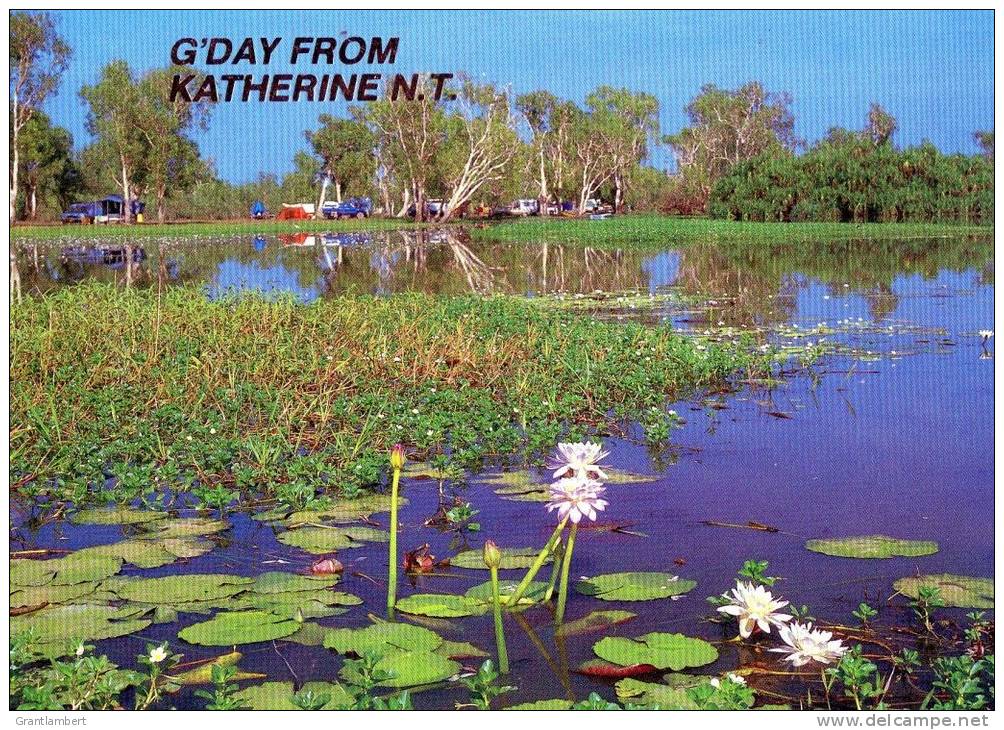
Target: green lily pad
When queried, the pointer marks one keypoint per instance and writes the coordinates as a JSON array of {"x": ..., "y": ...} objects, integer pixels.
[
  {"x": 415, "y": 668},
  {"x": 145, "y": 553},
  {"x": 57, "y": 626},
  {"x": 187, "y": 527},
  {"x": 321, "y": 540},
  {"x": 279, "y": 582},
  {"x": 441, "y": 605},
  {"x": 634, "y": 586},
  {"x": 121, "y": 516},
  {"x": 240, "y": 627},
  {"x": 555, "y": 704},
  {"x": 872, "y": 546},
  {"x": 660, "y": 650},
  {"x": 37, "y": 595},
  {"x": 483, "y": 592},
  {"x": 350, "y": 510},
  {"x": 595, "y": 621},
  {"x": 650, "y": 694},
  {"x": 382, "y": 638},
  {"x": 460, "y": 650},
  {"x": 73, "y": 568},
  {"x": 512, "y": 558},
  {"x": 179, "y": 589},
  {"x": 959, "y": 591}
]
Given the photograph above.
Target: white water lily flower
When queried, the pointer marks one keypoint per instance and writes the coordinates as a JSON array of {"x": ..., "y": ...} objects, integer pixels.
[
  {"x": 754, "y": 607},
  {"x": 79, "y": 651},
  {"x": 580, "y": 460},
  {"x": 158, "y": 654},
  {"x": 735, "y": 678},
  {"x": 576, "y": 498},
  {"x": 805, "y": 644}
]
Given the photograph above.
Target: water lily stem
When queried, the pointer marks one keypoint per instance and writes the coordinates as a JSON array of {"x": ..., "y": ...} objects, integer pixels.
[
  {"x": 559, "y": 615},
  {"x": 556, "y": 567},
  {"x": 499, "y": 633},
  {"x": 392, "y": 562},
  {"x": 538, "y": 563}
]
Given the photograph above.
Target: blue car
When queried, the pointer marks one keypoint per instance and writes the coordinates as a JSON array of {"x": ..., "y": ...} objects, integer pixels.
[{"x": 351, "y": 208}]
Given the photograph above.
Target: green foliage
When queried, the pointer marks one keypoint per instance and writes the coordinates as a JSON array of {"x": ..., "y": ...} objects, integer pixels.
[
  {"x": 864, "y": 613},
  {"x": 962, "y": 683},
  {"x": 222, "y": 697},
  {"x": 872, "y": 546},
  {"x": 859, "y": 679},
  {"x": 354, "y": 376},
  {"x": 858, "y": 178},
  {"x": 755, "y": 572},
  {"x": 484, "y": 687}
]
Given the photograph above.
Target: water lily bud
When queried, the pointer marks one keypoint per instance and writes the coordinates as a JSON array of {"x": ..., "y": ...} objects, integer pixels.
[
  {"x": 397, "y": 457},
  {"x": 492, "y": 554}
]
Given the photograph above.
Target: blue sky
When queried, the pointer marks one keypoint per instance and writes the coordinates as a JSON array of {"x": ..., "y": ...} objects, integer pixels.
[{"x": 932, "y": 70}]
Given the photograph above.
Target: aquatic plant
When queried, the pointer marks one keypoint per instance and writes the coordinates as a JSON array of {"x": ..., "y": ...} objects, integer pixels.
[
  {"x": 859, "y": 679},
  {"x": 755, "y": 608},
  {"x": 966, "y": 683},
  {"x": 158, "y": 661},
  {"x": 806, "y": 644},
  {"x": 397, "y": 461},
  {"x": 864, "y": 613},
  {"x": 483, "y": 686},
  {"x": 493, "y": 558},
  {"x": 222, "y": 697},
  {"x": 580, "y": 460}
]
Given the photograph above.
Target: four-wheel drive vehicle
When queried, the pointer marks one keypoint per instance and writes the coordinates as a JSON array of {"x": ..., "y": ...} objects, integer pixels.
[
  {"x": 350, "y": 208},
  {"x": 79, "y": 213},
  {"x": 107, "y": 210}
]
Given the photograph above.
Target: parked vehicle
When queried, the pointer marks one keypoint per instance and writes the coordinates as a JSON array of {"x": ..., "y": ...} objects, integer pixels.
[
  {"x": 350, "y": 208},
  {"x": 595, "y": 206},
  {"x": 106, "y": 210},
  {"x": 433, "y": 208}
]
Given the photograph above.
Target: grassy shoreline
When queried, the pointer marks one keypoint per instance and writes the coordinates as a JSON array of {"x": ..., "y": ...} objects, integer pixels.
[
  {"x": 639, "y": 229},
  {"x": 120, "y": 395},
  {"x": 645, "y": 229}
]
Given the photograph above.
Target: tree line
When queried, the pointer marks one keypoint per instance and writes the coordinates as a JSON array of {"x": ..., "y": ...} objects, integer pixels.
[{"x": 738, "y": 156}]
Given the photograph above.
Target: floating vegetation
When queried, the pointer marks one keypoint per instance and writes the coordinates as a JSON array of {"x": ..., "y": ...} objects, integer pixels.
[
  {"x": 634, "y": 586},
  {"x": 872, "y": 546},
  {"x": 322, "y": 540},
  {"x": 593, "y": 622},
  {"x": 656, "y": 650},
  {"x": 241, "y": 627},
  {"x": 512, "y": 559},
  {"x": 56, "y": 627},
  {"x": 954, "y": 590}
]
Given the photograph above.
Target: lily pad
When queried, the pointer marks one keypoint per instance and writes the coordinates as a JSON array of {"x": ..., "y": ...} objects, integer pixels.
[
  {"x": 57, "y": 626},
  {"x": 121, "y": 516},
  {"x": 595, "y": 621},
  {"x": 634, "y": 586},
  {"x": 382, "y": 638},
  {"x": 959, "y": 591},
  {"x": 460, "y": 650},
  {"x": 279, "y": 582},
  {"x": 279, "y": 695},
  {"x": 512, "y": 558},
  {"x": 240, "y": 627},
  {"x": 872, "y": 546},
  {"x": 321, "y": 540},
  {"x": 187, "y": 527},
  {"x": 145, "y": 553},
  {"x": 68, "y": 570},
  {"x": 483, "y": 592},
  {"x": 661, "y": 650},
  {"x": 607, "y": 670},
  {"x": 36, "y": 595},
  {"x": 343, "y": 511},
  {"x": 441, "y": 605},
  {"x": 179, "y": 589},
  {"x": 555, "y": 704},
  {"x": 415, "y": 668},
  {"x": 652, "y": 694}
]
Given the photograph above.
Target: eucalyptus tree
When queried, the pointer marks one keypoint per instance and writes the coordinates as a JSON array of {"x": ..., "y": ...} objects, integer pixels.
[
  {"x": 113, "y": 116},
  {"x": 171, "y": 161},
  {"x": 483, "y": 142},
  {"x": 48, "y": 170},
  {"x": 38, "y": 57},
  {"x": 346, "y": 150},
  {"x": 728, "y": 127}
]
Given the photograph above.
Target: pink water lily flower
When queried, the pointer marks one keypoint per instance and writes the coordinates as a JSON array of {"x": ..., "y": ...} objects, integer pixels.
[
  {"x": 755, "y": 607},
  {"x": 580, "y": 460},
  {"x": 576, "y": 498}
]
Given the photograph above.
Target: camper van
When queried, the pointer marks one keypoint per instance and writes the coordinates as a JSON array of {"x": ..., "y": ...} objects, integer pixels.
[{"x": 106, "y": 210}]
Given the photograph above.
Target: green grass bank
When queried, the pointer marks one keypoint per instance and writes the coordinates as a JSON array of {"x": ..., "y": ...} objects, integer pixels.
[{"x": 124, "y": 394}]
